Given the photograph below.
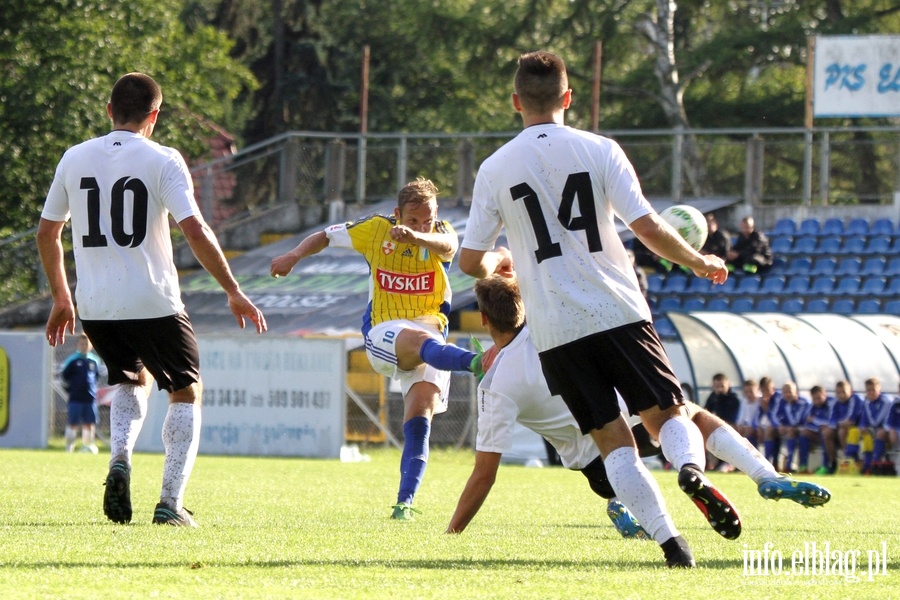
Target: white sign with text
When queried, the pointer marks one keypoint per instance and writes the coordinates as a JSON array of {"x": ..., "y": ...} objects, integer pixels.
[
  {"x": 856, "y": 76},
  {"x": 265, "y": 396}
]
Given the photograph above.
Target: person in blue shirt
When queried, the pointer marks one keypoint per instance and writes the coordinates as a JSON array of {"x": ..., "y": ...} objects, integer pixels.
[
  {"x": 873, "y": 424},
  {"x": 726, "y": 405},
  {"x": 79, "y": 374},
  {"x": 818, "y": 431},
  {"x": 893, "y": 424},
  {"x": 791, "y": 416},
  {"x": 766, "y": 421},
  {"x": 845, "y": 418}
]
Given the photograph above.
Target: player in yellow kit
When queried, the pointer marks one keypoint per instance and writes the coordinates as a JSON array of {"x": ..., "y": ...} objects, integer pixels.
[{"x": 405, "y": 323}]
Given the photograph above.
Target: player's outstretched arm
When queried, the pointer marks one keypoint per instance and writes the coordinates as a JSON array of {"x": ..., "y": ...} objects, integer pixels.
[
  {"x": 477, "y": 489},
  {"x": 480, "y": 264},
  {"x": 444, "y": 245},
  {"x": 206, "y": 248},
  {"x": 665, "y": 242},
  {"x": 62, "y": 315},
  {"x": 313, "y": 244}
]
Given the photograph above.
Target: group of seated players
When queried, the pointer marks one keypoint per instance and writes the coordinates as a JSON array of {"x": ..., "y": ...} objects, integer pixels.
[{"x": 858, "y": 430}]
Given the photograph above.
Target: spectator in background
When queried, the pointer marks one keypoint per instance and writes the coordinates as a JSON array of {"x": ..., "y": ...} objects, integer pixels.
[
  {"x": 751, "y": 252},
  {"x": 791, "y": 417},
  {"x": 893, "y": 425},
  {"x": 873, "y": 424},
  {"x": 718, "y": 241},
  {"x": 818, "y": 431},
  {"x": 639, "y": 273},
  {"x": 766, "y": 421},
  {"x": 725, "y": 404},
  {"x": 845, "y": 418},
  {"x": 79, "y": 374},
  {"x": 644, "y": 257},
  {"x": 749, "y": 408}
]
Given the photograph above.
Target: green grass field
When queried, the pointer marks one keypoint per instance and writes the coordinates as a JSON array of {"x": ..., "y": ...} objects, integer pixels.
[{"x": 296, "y": 528}]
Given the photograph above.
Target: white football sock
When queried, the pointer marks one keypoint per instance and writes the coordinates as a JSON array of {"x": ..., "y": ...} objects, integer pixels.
[
  {"x": 70, "y": 438},
  {"x": 181, "y": 437},
  {"x": 127, "y": 411},
  {"x": 637, "y": 489},
  {"x": 728, "y": 445},
  {"x": 682, "y": 442}
]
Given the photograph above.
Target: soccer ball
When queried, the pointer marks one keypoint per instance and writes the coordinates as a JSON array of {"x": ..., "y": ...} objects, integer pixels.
[{"x": 688, "y": 222}]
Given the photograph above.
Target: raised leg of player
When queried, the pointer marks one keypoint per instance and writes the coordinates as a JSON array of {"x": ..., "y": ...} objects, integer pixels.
[{"x": 681, "y": 442}]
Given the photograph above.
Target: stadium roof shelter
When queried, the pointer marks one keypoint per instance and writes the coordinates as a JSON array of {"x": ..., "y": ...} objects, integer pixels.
[
  {"x": 810, "y": 349},
  {"x": 327, "y": 293}
]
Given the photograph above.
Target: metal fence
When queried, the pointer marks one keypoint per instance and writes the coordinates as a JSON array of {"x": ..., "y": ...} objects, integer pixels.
[{"x": 817, "y": 167}]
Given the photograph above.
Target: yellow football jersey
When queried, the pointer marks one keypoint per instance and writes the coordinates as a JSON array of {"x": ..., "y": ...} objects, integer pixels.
[{"x": 407, "y": 281}]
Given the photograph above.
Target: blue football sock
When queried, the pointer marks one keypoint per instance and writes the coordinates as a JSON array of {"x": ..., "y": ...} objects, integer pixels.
[
  {"x": 789, "y": 445},
  {"x": 852, "y": 451},
  {"x": 416, "y": 432},
  {"x": 445, "y": 357},
  {"x": 879, "y": 450},
  {"x": 770, "y": 448},
  {"x": 867, "y": 461},
  {"x": 803, "y": 449}
]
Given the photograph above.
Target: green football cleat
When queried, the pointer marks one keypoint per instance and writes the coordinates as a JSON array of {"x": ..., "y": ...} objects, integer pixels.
[
  {"x": 475, "y": 366},
  {"x": 801, "y": 492},
  {"x": 404, "y": 512}
]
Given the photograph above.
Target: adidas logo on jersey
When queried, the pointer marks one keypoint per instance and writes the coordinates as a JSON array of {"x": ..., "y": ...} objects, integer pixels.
[{"x": 407, "y": 253}]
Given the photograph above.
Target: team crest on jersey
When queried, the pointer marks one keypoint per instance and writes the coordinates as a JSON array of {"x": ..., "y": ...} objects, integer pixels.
[{"x": 388, "y": 247}]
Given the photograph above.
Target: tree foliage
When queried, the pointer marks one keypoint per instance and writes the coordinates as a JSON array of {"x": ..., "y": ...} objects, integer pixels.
[{"x": 59, "y": 60}]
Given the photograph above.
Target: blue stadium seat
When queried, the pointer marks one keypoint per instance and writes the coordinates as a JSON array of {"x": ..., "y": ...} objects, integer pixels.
[
  {"x": 748, "y": 284},
  {"x": 805, "y": 245},
  {"x": 847, "y": 285},
  {"x": 675, "y": 283},
  {"x": 822, "y": 285},
  {"x": 828, "y": 246},
  {"x": 833, "y": 226},
  {"x": 843, "y": 306},
  {"x": 742, "y": 305},
  {"x": 727, "y": 287},
  {"x": 669, "y": 303},
  {"x": 817, "y": 305},
  {"x": 892, "y": 289},
  {"x": 874, "y": 265},
  {"x": 882, "y": 227},
  {"x": 824, "y": 266},
  {"x": 879, "y": 244},
  {"x": 664, "y": 327},
  {"x": 849, "y": 265},
  {"x": 772, "y": 285},
  {"x": 809, "y": 227},
  {"x": 779, "y": 266},
  {"x": 792, "y": 305},
  {"x": 895, "y": 246},
  {"x": 854, "y": 244},
  {"x": 892, "y": 267},
  {"x": 798, "y": 284},
  {"x": 786, "y": 226},
  {"x": 872, "y": 286},
  {"x": 857, "y": 226},
  {"x": 655, "y": 283},
  {"x": 892, "y": 307},
  {"x": 767, "y": 305},
  {"x": 699, "y": 285},
  {"x": 694, "y": 304},
  {"x": 799, "y": 266},
  {"x": 719, "y": 304},
  {"x": 782, "y": 245},
  {"x": 869, "y": 307}
]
